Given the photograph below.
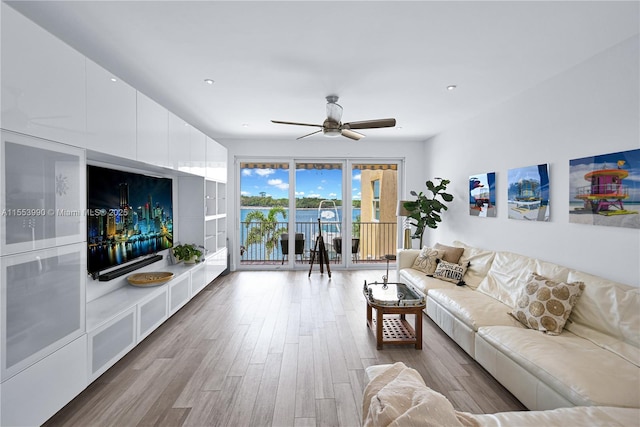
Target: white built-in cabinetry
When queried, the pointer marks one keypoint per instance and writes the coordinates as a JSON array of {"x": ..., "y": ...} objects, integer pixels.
[
  {"x": 60, "y": 329},
  {"x": 152, "y": 144},
  {"x": 43, "y": 271},
  {"x": 43, "y": 82},
  {"x": 111, "y": 113}
]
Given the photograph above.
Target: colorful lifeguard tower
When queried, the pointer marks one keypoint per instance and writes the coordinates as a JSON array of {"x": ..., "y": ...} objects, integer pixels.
[{"x": 606, "y": 190}]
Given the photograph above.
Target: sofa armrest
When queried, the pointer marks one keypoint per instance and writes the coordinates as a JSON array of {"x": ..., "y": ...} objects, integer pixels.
[{"x": 406, "y": 257}]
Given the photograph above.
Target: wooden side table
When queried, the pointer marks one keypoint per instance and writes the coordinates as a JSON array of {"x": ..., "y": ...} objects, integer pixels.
[{"x": 391, "y": 299}]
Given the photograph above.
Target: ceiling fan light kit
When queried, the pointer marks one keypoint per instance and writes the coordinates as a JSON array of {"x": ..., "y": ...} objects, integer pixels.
[{"x": 333, "y": 126}]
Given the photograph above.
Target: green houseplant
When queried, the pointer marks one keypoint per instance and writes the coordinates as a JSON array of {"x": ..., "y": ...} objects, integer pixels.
[
  {"x": 425, "y": 210},
  {"x": 189, "y": 253}
]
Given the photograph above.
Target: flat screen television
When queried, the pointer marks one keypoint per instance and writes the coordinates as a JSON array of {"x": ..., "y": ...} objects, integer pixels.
[{"x": 129, "y": 216}]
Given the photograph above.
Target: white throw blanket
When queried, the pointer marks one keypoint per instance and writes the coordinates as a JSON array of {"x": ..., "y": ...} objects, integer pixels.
[{"x": 399, "y": 397}]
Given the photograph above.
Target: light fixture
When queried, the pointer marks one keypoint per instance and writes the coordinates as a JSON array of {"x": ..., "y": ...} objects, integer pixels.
[
  {"x": 245, "y": 125},
  {"x": 208, "y": 81},
  {"x": 113, "y": 79},
  {"x": 402, "y": 211},
  {"x": 451, "y": 87}
]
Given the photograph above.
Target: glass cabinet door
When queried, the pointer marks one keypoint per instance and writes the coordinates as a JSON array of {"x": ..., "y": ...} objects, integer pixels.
[
  {"x": 43, "y": 304},
  {"x": 42, "y": 201}
]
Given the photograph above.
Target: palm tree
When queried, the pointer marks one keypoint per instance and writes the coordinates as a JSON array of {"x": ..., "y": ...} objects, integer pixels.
[{"x": 266, "y": 229}]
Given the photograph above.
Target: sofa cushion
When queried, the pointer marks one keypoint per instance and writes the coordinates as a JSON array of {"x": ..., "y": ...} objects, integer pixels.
[
  {"x": 427, "y": 260},
  {"x": 478, "y": 262},
  {"x": 583, "y": 372},
  {"x": 592, "y": 416},
  {"x": 450, "y": 272},
  {"x": 451, "y": 253},
  {"x": 506, "y": 276},
  {"x": 608, "y": 314},
  {"x": 472, "y": 308},
  {"x": 545, "y": 304},
  {"x": 421, "y": 281}
]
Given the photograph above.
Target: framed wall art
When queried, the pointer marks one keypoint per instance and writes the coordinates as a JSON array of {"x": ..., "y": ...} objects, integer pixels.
[
  {"x": 482, "y": 195},
  {"x": 528, "y": 193},
  {"x": 605, "y": 189}
]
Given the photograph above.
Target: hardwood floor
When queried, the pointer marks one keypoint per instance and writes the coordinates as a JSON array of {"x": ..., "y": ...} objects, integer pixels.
[{"x": 271, "y": 349}]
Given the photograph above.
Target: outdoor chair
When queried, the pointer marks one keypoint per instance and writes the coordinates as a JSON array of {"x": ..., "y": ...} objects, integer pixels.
[
  {"x": 355, "y": 247},
  {"x": 299, "y": 245}
]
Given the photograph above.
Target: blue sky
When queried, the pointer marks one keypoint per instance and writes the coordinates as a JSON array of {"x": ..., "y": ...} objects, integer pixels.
[{"x": 320, "y": 183}]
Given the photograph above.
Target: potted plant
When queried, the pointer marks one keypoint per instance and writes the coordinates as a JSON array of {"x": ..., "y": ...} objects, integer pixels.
[
  {"x": 189, "y": 253},
  {"x": 425, "y": 210}
]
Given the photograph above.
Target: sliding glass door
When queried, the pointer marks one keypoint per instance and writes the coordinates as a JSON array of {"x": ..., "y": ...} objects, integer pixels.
[{"x": 286, "y": 205}]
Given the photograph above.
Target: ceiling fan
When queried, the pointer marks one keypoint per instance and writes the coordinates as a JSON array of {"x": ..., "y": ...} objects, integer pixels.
[{"x": 332, "y": 126}]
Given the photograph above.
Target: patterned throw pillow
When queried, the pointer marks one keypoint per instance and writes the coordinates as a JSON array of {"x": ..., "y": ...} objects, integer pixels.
[
  {"x": 545, "y": 305},
  {"x": 427, "y": 260},
  {"x": 450, "y": 272}
]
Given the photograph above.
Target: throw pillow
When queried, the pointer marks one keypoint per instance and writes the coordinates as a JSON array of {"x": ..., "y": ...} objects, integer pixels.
[
  {"x": 545, "y": 305},
  {"x": 450, "y": 272},
  {"x": 451, "y": 254},
  {"x": 426, "y": 261}
]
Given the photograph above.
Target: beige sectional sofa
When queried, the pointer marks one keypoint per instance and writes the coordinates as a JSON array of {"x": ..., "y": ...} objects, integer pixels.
[
  {"x": 594, "y": 361},
  {"x": 396, "y": 395}
]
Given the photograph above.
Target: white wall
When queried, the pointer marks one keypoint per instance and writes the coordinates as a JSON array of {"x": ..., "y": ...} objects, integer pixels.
[
  {"x": 588, "y": 110},
  {"x": 320, "y": 148}
]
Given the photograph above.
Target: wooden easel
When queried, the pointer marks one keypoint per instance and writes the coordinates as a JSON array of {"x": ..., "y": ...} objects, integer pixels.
[{"x": 321, "y": 251}]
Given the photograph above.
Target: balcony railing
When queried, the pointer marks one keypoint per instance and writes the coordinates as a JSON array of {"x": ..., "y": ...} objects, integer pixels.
[{"x": 370, "y": 242}]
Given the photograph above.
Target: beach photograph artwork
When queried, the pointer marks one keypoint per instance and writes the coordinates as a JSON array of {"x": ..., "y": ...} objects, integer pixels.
[
  {"x": 482, "y": 195},
  {"x": 605, "y": 189},
  {"x": 528, "y": 193}
]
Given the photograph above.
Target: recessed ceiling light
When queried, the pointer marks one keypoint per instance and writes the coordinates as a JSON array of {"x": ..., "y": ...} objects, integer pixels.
[
  {"x": 245, "y": 125},
  {"x": 208, "y": 81},
  {"x": 113, "y": 79},
  {"x": 451, "y": 87}
]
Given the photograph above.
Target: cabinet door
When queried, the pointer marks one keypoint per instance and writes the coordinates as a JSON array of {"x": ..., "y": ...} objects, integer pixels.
[
  {"x": 198, "y": 279},
  {"x": 43, "y": 197},
  {"x": 43, "y": 304},
  {"x": 111, "y": 341},
  {"x": 153, "y": 122},
  {"x": 43, "y": 82},
  {"x": 152, "y": 313},
  {"x": 179, "y": 144},
  {"x": 198, "y": 152},
  {"x": 111, "y": 113},
  {"x": 216, "y": 167},
  {"x": 179, "y": 292}
]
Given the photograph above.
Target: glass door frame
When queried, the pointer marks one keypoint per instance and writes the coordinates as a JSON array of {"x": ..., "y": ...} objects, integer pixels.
[{"x": 346, "y": 222}]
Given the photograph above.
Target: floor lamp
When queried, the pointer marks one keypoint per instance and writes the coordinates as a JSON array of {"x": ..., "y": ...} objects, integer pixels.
[{"x": 402, "y": 211}]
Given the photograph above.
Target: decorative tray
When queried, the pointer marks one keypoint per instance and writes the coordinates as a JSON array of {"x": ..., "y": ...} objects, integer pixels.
[{"x": 155, "y": 278}]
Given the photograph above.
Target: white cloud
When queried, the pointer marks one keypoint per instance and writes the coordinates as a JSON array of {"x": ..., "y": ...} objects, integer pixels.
[
  {"x": 278, "y": 184},
  {"x": 245, "y": 193},
  {"x": 299, "y": 193},
  {"x": 357, "y": 177},
  {"x": 320, "y": 187},
  {"x": 333, "y": 195},
  {"x": 265, "y": 172},
  {"x": 314, "y": 195},
  {"x": 246, "y": 172}
]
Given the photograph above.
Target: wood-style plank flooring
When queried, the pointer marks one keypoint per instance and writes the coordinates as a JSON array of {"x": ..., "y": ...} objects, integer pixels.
[{"x": 271, "y": 349}]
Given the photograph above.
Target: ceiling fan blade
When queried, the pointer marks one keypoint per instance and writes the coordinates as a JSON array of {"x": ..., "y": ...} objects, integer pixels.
[
  {"x": 351, "y": 134},
  {"x": 295, "y": 123},
  {"x": 309, "y": 134},
  {"x": 371, "y": 124}
]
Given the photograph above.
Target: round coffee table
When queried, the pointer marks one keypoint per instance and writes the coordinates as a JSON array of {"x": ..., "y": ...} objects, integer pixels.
[{"x": 394, "y": 298}]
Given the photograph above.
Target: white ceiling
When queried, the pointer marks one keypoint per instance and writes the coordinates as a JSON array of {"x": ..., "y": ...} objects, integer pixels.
[{"x": 278, "y": 60}]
